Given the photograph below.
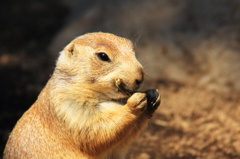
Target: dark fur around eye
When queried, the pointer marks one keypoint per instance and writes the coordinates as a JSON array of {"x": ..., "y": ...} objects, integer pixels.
[{"x": 103, "y": 57}]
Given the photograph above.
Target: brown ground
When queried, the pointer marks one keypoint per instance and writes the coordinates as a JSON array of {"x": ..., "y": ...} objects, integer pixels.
[
  {"x": 191, "y": 56},
  {"x": 191, "y": 123}
]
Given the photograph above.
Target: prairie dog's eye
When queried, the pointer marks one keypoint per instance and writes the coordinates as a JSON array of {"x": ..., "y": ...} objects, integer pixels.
[{"x": 103, "y": 57}]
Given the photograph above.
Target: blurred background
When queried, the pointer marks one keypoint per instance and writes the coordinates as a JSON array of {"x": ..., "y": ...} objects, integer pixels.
[{"x": 190, "y": 50}]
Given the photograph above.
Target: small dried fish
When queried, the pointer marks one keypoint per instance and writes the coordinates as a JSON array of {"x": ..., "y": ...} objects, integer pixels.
[{"x": 122, "y": 87}]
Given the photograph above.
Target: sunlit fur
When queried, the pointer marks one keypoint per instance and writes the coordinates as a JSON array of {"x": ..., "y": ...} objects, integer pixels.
[{"x": 75, "y": 115}]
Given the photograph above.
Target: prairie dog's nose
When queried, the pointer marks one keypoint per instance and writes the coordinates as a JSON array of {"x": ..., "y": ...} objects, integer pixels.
[
  {"x": 140, "y": 79},
  {"x": 138, "y": 82}
]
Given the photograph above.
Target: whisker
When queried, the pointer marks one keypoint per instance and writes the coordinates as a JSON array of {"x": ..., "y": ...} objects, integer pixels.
[
  {"x": 148, "y": 76},
  {"x": 135, "y": 44}
]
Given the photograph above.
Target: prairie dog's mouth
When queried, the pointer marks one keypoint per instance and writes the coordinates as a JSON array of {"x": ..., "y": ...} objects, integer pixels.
[{"x": 122, "y": 87}]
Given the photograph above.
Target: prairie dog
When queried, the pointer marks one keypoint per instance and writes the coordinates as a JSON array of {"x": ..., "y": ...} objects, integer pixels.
[{"x": 77, "y": 114}]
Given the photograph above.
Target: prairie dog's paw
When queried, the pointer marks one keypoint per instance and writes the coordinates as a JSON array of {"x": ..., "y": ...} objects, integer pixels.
[
  {"x": 137, "y": 103},
  {"x": 153, "y": 101}
]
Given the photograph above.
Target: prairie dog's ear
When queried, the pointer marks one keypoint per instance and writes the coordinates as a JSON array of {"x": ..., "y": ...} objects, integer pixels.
[{"x": 69, "y": 49}]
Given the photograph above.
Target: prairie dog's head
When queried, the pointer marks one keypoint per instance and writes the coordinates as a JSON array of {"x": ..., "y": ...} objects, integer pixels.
[{"x": 101, "y": 63}]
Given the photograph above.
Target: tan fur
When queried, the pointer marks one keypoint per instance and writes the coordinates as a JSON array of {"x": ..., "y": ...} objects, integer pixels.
[{"x": 75, "y": 115}]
